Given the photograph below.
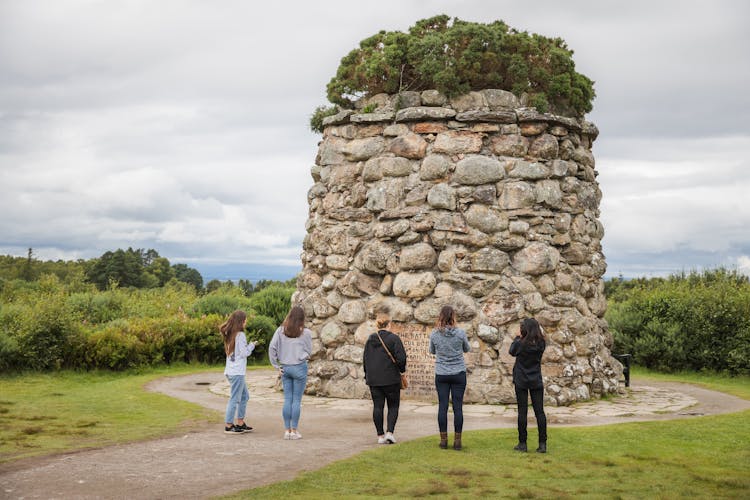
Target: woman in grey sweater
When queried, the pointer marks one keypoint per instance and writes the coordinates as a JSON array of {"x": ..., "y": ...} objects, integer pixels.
[
  {"x": 449, "y": 344},
  {"x": 288, "y": 352}
]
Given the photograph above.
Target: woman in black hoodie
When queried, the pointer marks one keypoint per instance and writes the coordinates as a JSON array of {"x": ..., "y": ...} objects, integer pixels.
[
  {"x": 383, "y": 375},
  {"x": 528, "y": 348}
]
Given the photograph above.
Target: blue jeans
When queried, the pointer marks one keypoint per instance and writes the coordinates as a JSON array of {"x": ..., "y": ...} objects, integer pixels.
[
  {"x": 453, "y": 386},
  {"x": 293, "y": 381},
  {"x": 238, "y": 398}
]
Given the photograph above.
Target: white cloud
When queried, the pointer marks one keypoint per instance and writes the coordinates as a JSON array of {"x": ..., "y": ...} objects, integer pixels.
[
  {"x": 182, "y": 126},
  {"x": 680, "y": 194}
]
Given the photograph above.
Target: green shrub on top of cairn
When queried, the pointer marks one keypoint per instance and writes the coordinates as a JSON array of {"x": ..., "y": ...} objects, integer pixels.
[{"x": 455, "y": 57}]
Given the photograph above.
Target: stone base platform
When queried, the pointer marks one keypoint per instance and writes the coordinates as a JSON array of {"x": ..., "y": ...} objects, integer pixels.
[{"x": 638, "y": 402}]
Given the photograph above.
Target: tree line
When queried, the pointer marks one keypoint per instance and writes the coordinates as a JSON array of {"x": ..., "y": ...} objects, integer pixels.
[{"x": 136, "y": 268}]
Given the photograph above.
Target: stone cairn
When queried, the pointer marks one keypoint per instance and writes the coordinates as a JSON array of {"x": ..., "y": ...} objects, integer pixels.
[{"x": 477, "y": 202}]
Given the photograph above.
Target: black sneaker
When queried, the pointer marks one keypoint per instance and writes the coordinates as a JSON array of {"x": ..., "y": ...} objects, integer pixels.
[
  {"x": 244, "y": 427},
  {"x": 233, "y": 429}
]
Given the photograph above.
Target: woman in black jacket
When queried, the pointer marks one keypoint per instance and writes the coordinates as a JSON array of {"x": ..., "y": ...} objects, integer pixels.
[
  {"x": 384, "y": 376},
  {"x": 528, "y": 348}
]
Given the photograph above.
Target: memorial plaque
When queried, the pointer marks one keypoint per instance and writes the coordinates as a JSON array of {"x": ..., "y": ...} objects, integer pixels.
[{"x": 420, "y": 364}]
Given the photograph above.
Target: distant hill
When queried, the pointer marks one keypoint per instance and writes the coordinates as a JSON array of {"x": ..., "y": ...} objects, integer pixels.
[{"x": 252, "y": 272}]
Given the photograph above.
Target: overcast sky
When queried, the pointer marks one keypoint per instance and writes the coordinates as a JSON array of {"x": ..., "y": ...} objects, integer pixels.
[{"x": 183, "y": 125}]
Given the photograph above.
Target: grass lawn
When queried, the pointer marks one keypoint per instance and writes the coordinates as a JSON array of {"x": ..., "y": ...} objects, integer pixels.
[
  {"x": 703, "y": 457},
  {"x": 43, "y": 413}
]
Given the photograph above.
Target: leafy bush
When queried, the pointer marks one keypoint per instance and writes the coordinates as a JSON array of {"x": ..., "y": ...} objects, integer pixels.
[
  {"x": 455, "y": 56},
  {"x": 113, "y": 348},
  {"x": 221, "y": 304},
  {"x": 696, "y": 321},
  {"x": 11, "y": 319},
  {"x": 38, "y": 328},
  {"x": 273, "y": 302},
  {"x": 97, "y": 307},
  {"x": 10, "y": 352},
  {"x": 46, "y": 334},
  {"x": 124, "y": 344},
  {"x": 260, "y": 329}
]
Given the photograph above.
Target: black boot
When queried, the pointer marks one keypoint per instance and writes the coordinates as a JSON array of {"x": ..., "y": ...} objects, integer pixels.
[
  {"x": 520, "y": 447},
  {"x": 542, "y": 448},
  {"x": 444, "y": 440}
]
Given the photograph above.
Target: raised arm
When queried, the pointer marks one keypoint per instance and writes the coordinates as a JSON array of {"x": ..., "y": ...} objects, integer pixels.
[
  {"x": 242, "y": 347},
  {"x": 515, "y": 347}
]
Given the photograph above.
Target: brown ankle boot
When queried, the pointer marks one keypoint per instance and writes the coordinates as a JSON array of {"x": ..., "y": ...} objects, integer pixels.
[
  {"x": 444, "y": 440},
  {"x": 457, "y": 441}
]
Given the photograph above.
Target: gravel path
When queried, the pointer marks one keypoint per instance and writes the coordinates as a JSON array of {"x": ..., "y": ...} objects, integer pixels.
[{"x": 206, "y": 462}]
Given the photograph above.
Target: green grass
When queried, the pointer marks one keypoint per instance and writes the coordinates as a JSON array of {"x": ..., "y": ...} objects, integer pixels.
[
  {"x": 44, "y": 413},
  {"x": 704, "y": 457}
]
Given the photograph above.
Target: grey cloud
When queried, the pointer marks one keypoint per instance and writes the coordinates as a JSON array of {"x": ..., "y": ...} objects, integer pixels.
[
  {"x": 216, "y": 99},
  {"x": 682, "y": 259}
]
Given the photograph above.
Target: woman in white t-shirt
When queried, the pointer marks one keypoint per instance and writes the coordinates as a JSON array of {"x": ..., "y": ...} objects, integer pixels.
[{"x": 237, "y": 350}]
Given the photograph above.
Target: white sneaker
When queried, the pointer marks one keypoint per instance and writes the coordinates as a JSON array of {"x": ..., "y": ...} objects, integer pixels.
[
  {"x": 295, "y": 435},
  {"x": 381, "y": 439},
  {"x": 389, "y": 438},
  {"x": 287, "y": 435}
]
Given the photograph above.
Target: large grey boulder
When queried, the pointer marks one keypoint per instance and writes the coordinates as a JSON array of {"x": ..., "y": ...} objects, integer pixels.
[
  {"x": 536, "y": 258},
  {"x": 476, "y": 169},
  {"x": 419, "y": 256},
  {"x": 414, "y": 285}
]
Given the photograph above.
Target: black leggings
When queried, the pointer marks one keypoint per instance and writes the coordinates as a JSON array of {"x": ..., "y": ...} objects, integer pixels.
[
  {"x": 381, "y": 394},
  {"x": 537, "y": 401},
  {"x": 453, "y": 387}
]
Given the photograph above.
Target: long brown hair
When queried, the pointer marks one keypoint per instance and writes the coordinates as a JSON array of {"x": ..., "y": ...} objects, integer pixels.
[
  {"x": 447, "y": 317},
  {"x": 531, "y": 332},
  {"x": 294, "y": 322},
  {"x": 230, "y": 328}
]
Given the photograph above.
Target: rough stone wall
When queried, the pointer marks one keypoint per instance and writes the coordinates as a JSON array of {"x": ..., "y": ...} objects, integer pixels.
[{"x": 476, "y": 202}]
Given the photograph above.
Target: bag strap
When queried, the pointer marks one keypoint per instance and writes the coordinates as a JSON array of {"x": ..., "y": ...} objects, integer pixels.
[{"x": 386, "y": 349}]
